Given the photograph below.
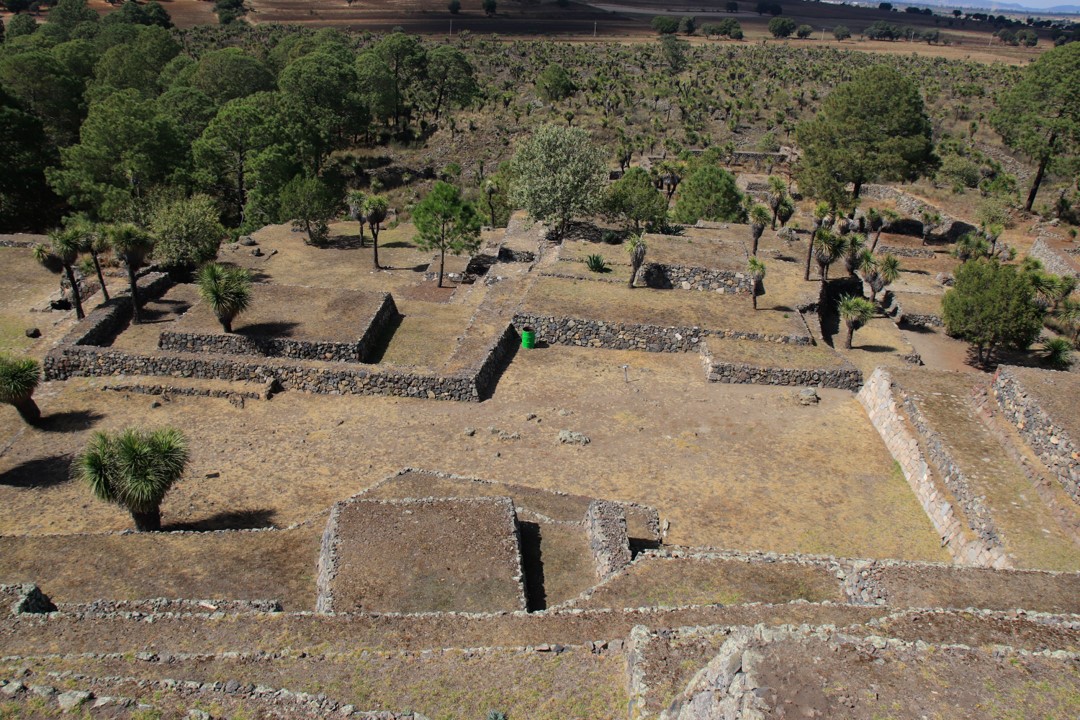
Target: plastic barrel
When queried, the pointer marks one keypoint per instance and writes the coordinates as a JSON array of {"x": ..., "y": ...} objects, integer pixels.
[{"x": 528, "y": 337}]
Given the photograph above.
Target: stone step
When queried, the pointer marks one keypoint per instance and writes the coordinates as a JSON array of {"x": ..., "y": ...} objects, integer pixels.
[{"x": 169, "y": 387}]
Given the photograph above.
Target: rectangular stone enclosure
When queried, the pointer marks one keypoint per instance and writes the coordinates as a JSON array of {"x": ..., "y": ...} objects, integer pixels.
[
  {"x": 302, "y": 323},
  {"x": 425, "y": 555}
]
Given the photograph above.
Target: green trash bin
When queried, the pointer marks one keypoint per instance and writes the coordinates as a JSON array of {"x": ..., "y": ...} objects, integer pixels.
[{"x": 528, "y": 337}]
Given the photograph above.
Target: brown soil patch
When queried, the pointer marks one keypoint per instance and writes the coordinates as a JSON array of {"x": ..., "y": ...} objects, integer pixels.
[
  {"x": 24, "y": 285},
  {"x": 427, "y": 556},
  {"x": 671, "y": 582},
  {"x": 981, "y": 588},
  {"x": 270, "y": 565}
]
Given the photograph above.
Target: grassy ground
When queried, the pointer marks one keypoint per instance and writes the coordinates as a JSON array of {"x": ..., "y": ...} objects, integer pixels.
[
  {"x": 781, "y": 355},
  {"x": 24, "y": 285}
]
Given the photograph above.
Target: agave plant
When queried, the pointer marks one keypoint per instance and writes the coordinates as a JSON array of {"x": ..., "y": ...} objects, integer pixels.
[
  {"x": 1057, "y": 353},
  {"x": 636, "y": 247},
  {"x": 756, "y": 270},
  {"x": 19, "y": 377},
  {"x": 227, "y": 290},
  {"x": 759, "y": 218},
  {"x": 134, "y": 469},
  {"x": 596, "y": 263},
  {"x": 855, "y": 311}
]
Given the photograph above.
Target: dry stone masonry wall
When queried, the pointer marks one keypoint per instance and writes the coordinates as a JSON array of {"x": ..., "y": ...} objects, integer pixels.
[
  {"x": 632, "y": 336},
  {"x": 952, "y": 229},
  {"x": 889, "y": 414},
  {"x": 1052, "y": 261},
  {"x": 1050, "y": 441},
  {"x": 605, "y": 528},
  {"x": 845, "y": 378},
  {"x": 659, "y": 275}
]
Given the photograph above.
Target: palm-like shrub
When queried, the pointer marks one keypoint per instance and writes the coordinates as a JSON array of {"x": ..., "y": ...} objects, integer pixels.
[
  {"x": 828, "y": 246},
  {"x": 855, "y": 311},
  {"x": 227, "y": 290},
  {"x": 636, "y": 247},
  {"x": 822, "y": 220},
  {"x": 759, "y": 218},
  {"x": 1057, "y": 353},
  {"x": 776, "y": 195},
  {"x": 355, "y": 199},
  {"x": 375, "y": 210},
  {"x": 756, "y": 270},
  {"x": 878, "y": 273},
  {"x": 133, "y": 245},
  {"x": 853, "y": 253},
  {"x": 134, "y": 469},
  {"x": 971, "y": 246},
  {"x": 94, "y": 241},
  {"x": 880, "y": 222},
  {"x": 19, "y": 378},
  {"x": 60, "y": 255}
]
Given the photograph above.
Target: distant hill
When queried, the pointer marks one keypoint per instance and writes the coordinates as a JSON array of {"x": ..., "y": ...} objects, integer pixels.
[{"x": 998, "y": 6}]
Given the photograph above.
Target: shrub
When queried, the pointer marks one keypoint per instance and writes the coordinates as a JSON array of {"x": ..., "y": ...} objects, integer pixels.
[
  {"x": 781, "y": 27},
  {"x": 804, "y": 31},
  {"x": 19, "y": 377},
  {"x": 665, "y": 24},
  {"x": 1057, "y": 353},
  {"x": 597, "y": 264},
  {"x": 841, "y": 32}
]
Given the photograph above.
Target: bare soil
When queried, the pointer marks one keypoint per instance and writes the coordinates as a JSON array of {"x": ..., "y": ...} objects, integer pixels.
[
  {"x": 427, "y": 556},
  {"x": 981, "y": 588},
  {"x": 978, "y": 630}
]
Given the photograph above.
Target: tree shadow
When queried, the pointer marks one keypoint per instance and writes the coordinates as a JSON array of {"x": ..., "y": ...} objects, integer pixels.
[
  {"x": 229, "y": 520},
  {"x": 268, "y": 329},
  {"x": 345, "y": 242},
  {"x": 39, "y": 473},
  {"x": 396, "y": 244},
  {"x": 71, "y": 421},
  {"x": 875, "y": 348},
  {"x": 162, "y": 310}
]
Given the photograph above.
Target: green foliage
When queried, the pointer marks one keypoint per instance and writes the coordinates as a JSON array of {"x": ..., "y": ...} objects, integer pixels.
[
  {"x": 25, "y": 152},
  {"x": 827, "y": 247},
  {"x": 636, "y": 248},
  {"x": 558, "y": 174},
  {"x": 872, "y": 128},
  {"x": 728, "y": 27},
  {"x": 841, "y": 32},
  {"x": 454, "y": 7},
  {"x": 634, "y": 201},
  {"x": 971, "y": 246},
  {"x": 187, "y": 231},
  {"x": 451, "y": 80},
  {"x": 1040, "y": 115},
  {"x": 708, "y": 193},
  {"x": 230, "y": 73},
  {"x": 554, "y": 83},
  {"x": 665, "y": 24},
  {"x": 19, "y": 377},
  {"x": 990, "y": 306},
  {"x": 226, "y": 290},
  {"x": 804, "y": 31},
  {"x": 446, "y": 222},
  {"x": 781, "y": 27},
  {"x": 20, "y": 26},
  {"x": 1057, "y": 353},
  {"x": 134, "y": 469},
  {"x": 675, "y": 51},
  {"x": 597, "y": 264},
  {"x": 855, "y": 311},
  {"x": 310, "y": 204}
]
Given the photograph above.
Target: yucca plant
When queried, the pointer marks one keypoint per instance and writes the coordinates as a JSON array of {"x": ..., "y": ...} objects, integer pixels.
[
  {"x": 756, "y": 270},
  {"x": 775, "y": 195},
  {"x": 1057, "y": 353},
  {"x": 355, "y": 200},
  {"x": 375, "y": 210},
  {"x": 828, "y": 246},
  {"x": 227, "y": 290},
  {"x": 134, "y": 469},
  {"x": 855, "y": 311},
  {"x": 883, "y": 221},
  {"x": 596, "y": 263},
  {"x": 19, "y": 377},
  {"x": 94, "y": 241},
  {"x": 60, "y": 255},
  {"x": 854, "y": 245},
  {"x": 759, "y": 218},
  {"x": 822, "y": 220},
  {"x": 133, "y": 245},
  {"x": 636, "y": 247}
]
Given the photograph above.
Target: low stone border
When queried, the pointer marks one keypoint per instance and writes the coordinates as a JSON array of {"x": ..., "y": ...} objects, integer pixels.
[
  {"x": 605, "y": 528},
  {"x": 663, "y": 276},
  {"x": 633, "y": 336},
  {"x": 236, "y": 397},
  {"x": 1052, "y": 260},
  {"x": 843, "y": 378},
  {"x": 890, "y": 413},
  {"x": 1054, "y": 446},
  {"x": 952, "y": 229},
  {"x": 26, "y": 598},
  {"x": 925, "y": 253}
]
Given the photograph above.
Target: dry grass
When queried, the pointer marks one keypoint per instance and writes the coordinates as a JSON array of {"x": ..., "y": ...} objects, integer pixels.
[
  {"x": 1056, "y": 393},
  {"x": 25, "y": 284},
  {"x": 234, "y": 565},
  {"x": 920, "y": 303},
  {"x": 779, "y": 355},
  {"x": 672, "y": 582},
  {"x": 616, "y": 303},
  {"x": 712, "y": 459}
]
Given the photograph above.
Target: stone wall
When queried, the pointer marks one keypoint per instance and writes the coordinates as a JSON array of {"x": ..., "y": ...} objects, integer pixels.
[
  {"x": 950, "y": 228},
  {"x": 238, "y": 344},
  {"x": 844, "y": 378},
  {"x": 632, "y": 336},
  {"x": 327, "y": 564},
  {"x": 1054, "y": 446},
  {"x": 103, "y": 322},
  {"x": 1051, "y": 259},
  {"x": 890, "y": 416},
  {"x": 662, "y": 276},
  {"x": 898, "y": 251},
  {"x": 605, "y": 528}
]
